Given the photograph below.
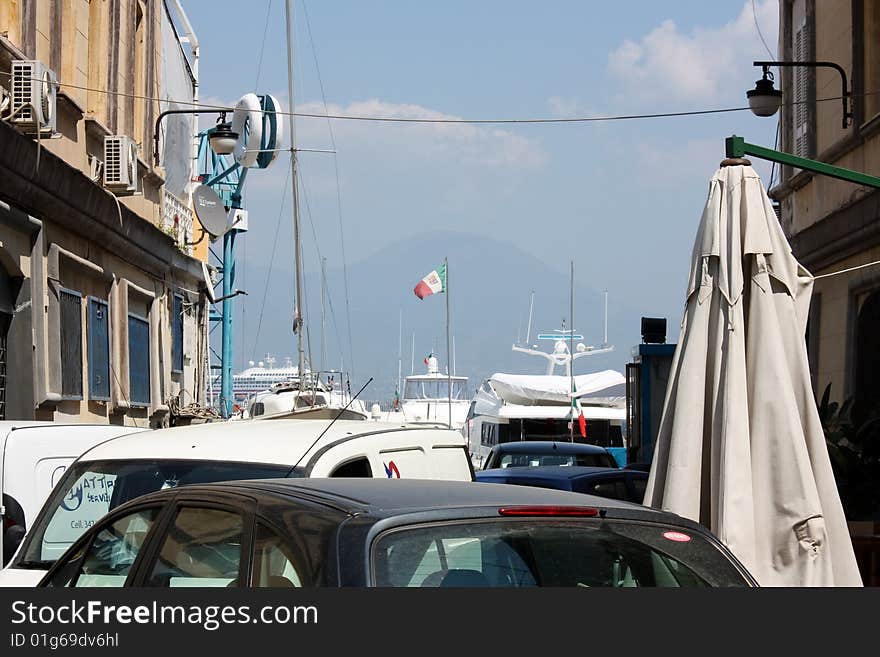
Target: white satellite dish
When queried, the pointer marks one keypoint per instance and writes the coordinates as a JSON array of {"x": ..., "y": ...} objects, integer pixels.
[
  {"x": 209, "y": 282},
  {"x": 210, "y": 210}
]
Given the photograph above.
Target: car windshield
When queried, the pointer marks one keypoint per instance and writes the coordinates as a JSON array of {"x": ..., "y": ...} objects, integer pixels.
[
  {"x": 536, "y": 459},
  {"x": 89, "y": 490},
  {"x": 549, "y": 552}
]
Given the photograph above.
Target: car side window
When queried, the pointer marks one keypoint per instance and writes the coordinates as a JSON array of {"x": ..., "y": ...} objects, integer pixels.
[
  {"x": 273, "y": 561},
  {"x": 611, "y": 488},
  {"x": 639, "y": 485},
  {"x": 107, "y": 559},
  {"x": 202, "y": 548}
]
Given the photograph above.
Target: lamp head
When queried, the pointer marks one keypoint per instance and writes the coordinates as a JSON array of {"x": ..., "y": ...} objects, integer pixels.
[
  {"x": 221, "y": 137},
  {"x": 764, "y": 99}
]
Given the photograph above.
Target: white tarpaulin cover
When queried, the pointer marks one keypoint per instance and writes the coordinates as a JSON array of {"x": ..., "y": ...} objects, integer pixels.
[
  {"x": 542, "y": 389},
  {"x": 740, "y": 447}
]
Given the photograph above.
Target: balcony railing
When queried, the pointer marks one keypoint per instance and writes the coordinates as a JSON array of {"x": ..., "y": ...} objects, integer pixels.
[{"x": 177, "y": 221}]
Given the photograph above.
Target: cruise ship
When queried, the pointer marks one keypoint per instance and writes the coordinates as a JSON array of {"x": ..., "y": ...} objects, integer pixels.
[{"x": 257, "y": 378}]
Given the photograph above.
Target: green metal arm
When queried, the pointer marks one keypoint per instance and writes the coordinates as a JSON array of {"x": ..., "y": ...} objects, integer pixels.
[{"x": 739, "y": 147}]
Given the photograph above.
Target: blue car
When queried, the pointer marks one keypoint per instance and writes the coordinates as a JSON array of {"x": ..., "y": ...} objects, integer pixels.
[
  {"x": 614, "y": 483},
  {"x": 525, "y": 453}
]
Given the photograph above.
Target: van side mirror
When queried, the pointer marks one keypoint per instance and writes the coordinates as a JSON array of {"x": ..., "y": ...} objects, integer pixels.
[{"x": 12, "y": 538}]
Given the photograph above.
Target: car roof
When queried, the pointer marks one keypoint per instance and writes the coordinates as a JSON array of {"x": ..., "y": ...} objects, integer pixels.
[
  {"x": 555, "y": 472},
  {"x": 284, "y": 441},
  {"x": 558, "y": 447},
  {"x": 393, "y": 497}
]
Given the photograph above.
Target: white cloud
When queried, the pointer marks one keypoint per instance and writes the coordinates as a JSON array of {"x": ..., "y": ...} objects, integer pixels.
[
  {"x": 709, "y": 64},
  {"x": 467, "y": 144}
]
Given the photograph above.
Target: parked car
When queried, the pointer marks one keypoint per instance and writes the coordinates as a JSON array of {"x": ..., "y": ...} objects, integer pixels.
[
  {"x": 124, "y": 468},
  {"x": 614, "y": 483},
  {"x": 33, "y": 457},
  {"x": 368, "y": 532},
  {"x": 547, "y": 452}
]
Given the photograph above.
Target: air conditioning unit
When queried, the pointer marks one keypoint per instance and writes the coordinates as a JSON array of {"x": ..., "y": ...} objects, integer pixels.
[
  {"x": 120, "y": 164},
  {"x": 34, "y": 90}
]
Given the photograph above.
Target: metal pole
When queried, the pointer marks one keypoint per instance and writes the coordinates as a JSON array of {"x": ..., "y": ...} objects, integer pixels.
[
  {"x": 298, "y": 308},
  {"x": 571, "y": 351},
  {"x": 448, "y": 351},
  {"x": 399, "y": 351},
  {"x": 412, "y": 362},
  {"x": 323, "y": 284},
  {"x": 529, "y": 330},
  {"x": 605, "y": 338},
  {"x": 228, "y": 282}
]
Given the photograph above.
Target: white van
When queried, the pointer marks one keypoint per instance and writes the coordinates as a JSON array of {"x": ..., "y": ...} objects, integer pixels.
[
  {"x": 33, "y": 458},
  {"x": 129, "y": 466}
]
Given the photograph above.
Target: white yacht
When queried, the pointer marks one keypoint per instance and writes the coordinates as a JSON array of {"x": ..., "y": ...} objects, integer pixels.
[
  {"x": 321, "y": 395},
  {"x": 426, "y": 399},
  {"x": 509, "y": 407}
]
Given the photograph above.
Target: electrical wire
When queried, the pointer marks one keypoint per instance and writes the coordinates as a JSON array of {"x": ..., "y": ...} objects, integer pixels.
[
  {"x": 393, "y": 119},
  {"x": 758, "y": 27},
  {"x": 263, "y": 46}
]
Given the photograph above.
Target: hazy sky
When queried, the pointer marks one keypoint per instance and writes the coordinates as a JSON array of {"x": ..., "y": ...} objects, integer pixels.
[{"x": 622, "y": 199}]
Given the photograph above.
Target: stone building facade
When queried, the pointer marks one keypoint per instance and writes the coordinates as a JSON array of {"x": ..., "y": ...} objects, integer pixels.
[{"x": 103, "y": 305}]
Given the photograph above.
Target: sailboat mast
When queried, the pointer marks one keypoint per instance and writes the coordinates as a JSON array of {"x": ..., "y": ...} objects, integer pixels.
[
  {"x": 298, "y": 309},
  {"x": 323, "y": 286},
  {"x": 399, "y": 351}
]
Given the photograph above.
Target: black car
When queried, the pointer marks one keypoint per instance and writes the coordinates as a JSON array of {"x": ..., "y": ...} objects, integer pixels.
[
  {"x": 400, "y": 533},
  {"x": 614, "y": 483},
  {"x": 532, "y": 453}
]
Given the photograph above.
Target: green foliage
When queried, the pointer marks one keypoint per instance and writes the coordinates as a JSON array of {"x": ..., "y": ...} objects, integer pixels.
[{"x": 854, "y": 448}]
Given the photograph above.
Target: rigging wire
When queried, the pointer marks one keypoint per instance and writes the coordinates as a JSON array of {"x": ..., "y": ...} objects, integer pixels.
[
  {"x": 263, "y": 46},
  {"x": 338, "y": 190},
  {"x": 272, "y": 256}
]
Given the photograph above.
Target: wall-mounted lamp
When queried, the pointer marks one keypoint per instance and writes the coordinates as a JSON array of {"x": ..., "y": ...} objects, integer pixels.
[{"x": 764, "y": 99}]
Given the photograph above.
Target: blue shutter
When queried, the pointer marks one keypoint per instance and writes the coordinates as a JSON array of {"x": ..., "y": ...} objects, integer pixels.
[
  {"x": 99, "y": 350},
  {"x": 177, "y": 334},
  {"x": 139, "y": 360},
  {"x": 70, "y": 311}
]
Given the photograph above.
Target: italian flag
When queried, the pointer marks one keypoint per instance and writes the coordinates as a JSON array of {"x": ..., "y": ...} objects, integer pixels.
[
  {"x": 429, "y": 356},
  {"x": 576, "y": 408},
  {"x": 433, "y": 283}
]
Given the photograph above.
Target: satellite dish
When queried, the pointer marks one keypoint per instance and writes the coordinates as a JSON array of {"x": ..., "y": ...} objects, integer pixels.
[
  {"x": 209, "y": 282},
  {"x": 210, "y": 210}
]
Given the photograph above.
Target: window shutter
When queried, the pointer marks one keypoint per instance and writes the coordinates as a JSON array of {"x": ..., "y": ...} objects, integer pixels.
[
  {"x": 801, "y": 82},
  {"x": 177, "y": 334},
  {"x": 139, "y": 360},
  {"x": 99, "y": 350},
  {"x": 70, "y": 304}
]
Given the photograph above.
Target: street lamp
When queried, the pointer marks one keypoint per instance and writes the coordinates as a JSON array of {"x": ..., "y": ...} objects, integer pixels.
[
  {"x": 764, "y": 99},
  {"x": 221, "y": 137}
]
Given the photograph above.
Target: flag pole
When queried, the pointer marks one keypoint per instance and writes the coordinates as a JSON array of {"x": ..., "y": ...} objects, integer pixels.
[
  {"x": 571, "y": 351},
  {"x": 448, "y": 350}
]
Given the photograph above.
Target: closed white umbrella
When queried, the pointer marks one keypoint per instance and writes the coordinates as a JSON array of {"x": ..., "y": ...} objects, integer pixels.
[{"x": 740, "y": 447}]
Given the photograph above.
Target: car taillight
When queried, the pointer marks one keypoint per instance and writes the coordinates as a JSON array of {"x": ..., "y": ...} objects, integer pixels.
[{"x": 568, "y": 511}]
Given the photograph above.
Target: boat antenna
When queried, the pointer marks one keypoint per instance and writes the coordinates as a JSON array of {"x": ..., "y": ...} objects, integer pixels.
[
  {"x": 298, "y": 308},
  {"x": 529, "y": 329},
  {"x": 338, "y": 415},
  {"x": 412, "y": 362},
  {"x": 605, "y": 340}
]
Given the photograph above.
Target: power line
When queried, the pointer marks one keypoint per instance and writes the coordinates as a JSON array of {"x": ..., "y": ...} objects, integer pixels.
[
  {"x": 263, "y": 46},
  {"x": 758, "y": 27},
  {"x": 393, "y": 119}
]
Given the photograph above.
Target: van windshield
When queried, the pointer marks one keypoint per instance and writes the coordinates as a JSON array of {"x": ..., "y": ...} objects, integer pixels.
[{"x": 89, "y": 490}]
